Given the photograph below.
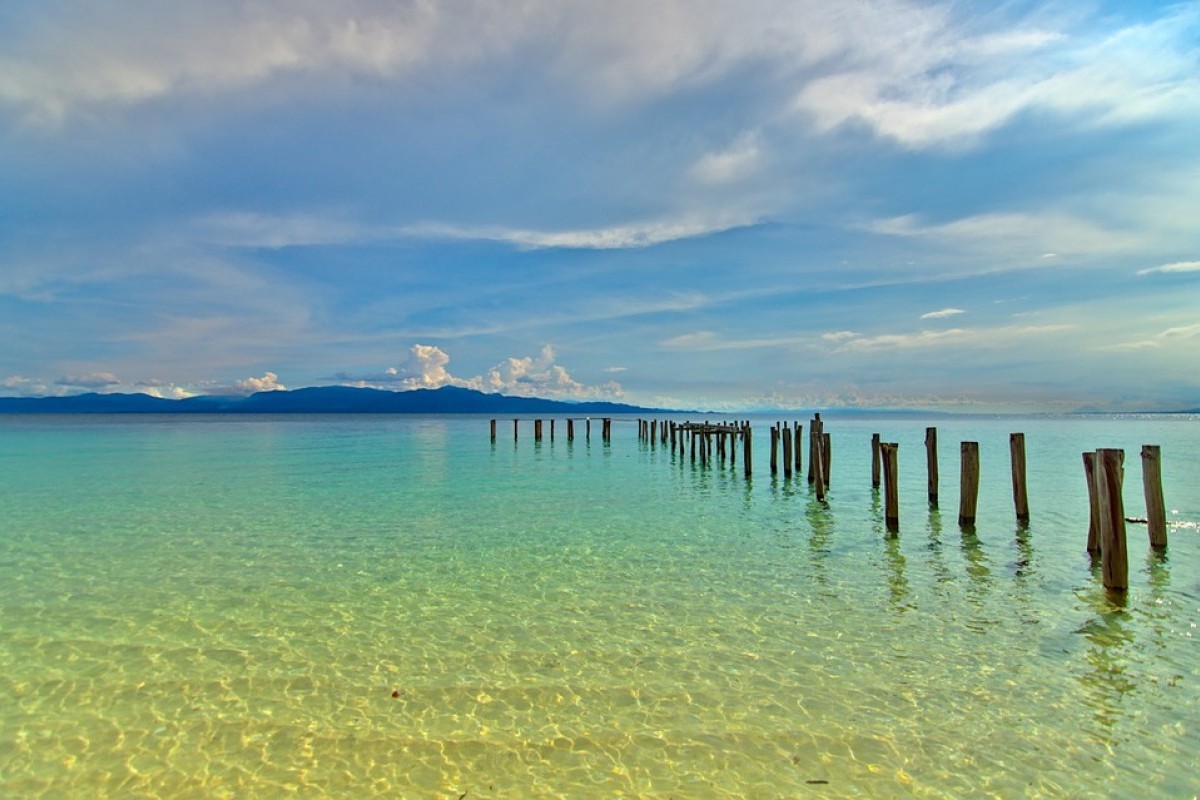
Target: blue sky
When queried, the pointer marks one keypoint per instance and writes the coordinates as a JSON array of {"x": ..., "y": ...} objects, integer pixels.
[{"x": 729, "y": 205}]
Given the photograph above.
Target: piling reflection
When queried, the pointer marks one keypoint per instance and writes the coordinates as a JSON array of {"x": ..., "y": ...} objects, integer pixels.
[{"x": 1107, "y": 681}]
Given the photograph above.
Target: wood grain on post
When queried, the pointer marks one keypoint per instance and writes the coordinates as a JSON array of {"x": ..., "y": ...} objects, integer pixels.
[
  {"x": 1114, "y": 558},
  {"x": 817, "y": 465},
  {"x": 968, "y": 484},
  {"x": 1089, "y": 472},
  {"x": 875, "y": 460},
  {"x": 889, "y": 455},
  {"x": 931, "y": 462},
  {"x": 1016, "y": 445},
  {"x": 1156, "y": 509},
  {"x": 814, "y": 434},
  {"x": 774, "y": 450}
]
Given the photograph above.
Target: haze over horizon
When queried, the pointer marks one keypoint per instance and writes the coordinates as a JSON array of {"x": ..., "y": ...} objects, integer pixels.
[{"x": 709, "y": 205}]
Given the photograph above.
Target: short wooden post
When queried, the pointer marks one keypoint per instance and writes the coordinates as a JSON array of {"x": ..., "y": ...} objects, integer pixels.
[
  {"x": 1016, "y": 445},
  {"x": 607, "y": 429},
  {"x": 1156, "y": 509},
  {"x": 788, "y": 461},
  {"x": 587, "y": 428},
  {"x": 537, "y": 430},
  {"x": 875, "y": 460},
  {"x": 969, "y": 484},
  {"x": 570, "y": 429},
  {"x": 814, "y": 434},
  {"x": 1089, "y": 472},
  {"x": 746, "y": 449},
  {"x": 514, "y": 430},
  {"x": 493, "y": 430},
  {"x": 1114, "y": 558},
  {"x": 931, "y": 462},
  {"x": 889, "y": 454},
  {"x": 654, "y": 431},
  {"x": 552, "y": 430}
]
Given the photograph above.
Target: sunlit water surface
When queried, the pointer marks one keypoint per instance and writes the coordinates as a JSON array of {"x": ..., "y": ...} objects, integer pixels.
[{"x": 397, "y": 607}]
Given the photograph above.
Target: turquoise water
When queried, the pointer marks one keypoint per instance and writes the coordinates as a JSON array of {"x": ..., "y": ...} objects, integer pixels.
[{"x": 397, "y": 607}]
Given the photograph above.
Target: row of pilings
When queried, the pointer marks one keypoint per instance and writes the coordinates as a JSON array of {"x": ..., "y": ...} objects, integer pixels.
[{"x": 713, "y": 445}]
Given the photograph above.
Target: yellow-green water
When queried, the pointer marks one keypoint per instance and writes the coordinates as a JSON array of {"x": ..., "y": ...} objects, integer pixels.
[{"x": 396, "y": 607}]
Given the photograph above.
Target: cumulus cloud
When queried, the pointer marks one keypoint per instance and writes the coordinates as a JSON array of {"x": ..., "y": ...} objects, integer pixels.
[
  {"x": 530, "y": 376},
  {"x": 1178, "y": 266},
  {"x": 945, "y": 312},
  {"x": 269, "y": 382}
]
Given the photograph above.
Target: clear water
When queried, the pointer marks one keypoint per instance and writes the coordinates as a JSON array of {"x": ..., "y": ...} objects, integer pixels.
[{"x": 396, "y": 607}]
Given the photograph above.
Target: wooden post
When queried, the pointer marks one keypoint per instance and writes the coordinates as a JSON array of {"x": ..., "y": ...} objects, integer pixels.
[
  {"x": 969, "y": 484},
  {"x": 1114, "y": 559},
  {"x": 514, "y": 430},
  {"x": 570, "y": 429},
  {"x": 817, "y": 464},
  {"x": 1156, "y": 509},
  {"x": 587, "y": 425},
  {"x": 875, "y": 460},
  {"x": 889, "y": 454},
  {"x": 493, "y": 430},
  {"x": 788, "y": 461},
  {"x": 746, "y": 441},
  {"x": 537, "y": 430},
  {"x": 1016, "y": 445},
  {"x": 552, "y": 430},
  {"x": 774, "y": 449},
  {"x": 826, "y": 455},
  {"x": 814, "y": 433},
  {"x": 607, "y": 429},
  {"x": 931, "y": 462},
  {"x": 798, "y": 437},
  {"x": 1089, "y": 472}
]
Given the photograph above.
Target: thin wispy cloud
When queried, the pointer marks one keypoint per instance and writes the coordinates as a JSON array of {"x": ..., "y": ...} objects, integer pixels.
[
  {"x": 943, "y": 313},
  {"x": 1174, "y": 267}
]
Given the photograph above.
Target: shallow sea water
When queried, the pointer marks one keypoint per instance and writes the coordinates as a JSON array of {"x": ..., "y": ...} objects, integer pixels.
[{"x": 395, "y": 606}]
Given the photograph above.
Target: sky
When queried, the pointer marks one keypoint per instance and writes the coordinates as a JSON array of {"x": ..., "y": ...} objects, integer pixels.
[{"x": 722, "y": 205}]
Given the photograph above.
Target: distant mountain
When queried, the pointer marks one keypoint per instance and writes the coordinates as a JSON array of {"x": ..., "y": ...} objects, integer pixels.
[{"x": 316, "y": 400}]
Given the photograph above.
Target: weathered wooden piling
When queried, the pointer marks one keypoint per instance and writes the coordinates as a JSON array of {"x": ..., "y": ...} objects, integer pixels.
[
  {"x": 875, "y": 460},
  {"x": 587, "y": 429},
  {"x": 746, "y": 448},
  {"x": 798, "y": 437},
  {"x": 826, "y": 455},
  {"x": 1156, "y": 509},
  {"x": 514, "y": 430},
  {"x": 889, "y": 455},
  {"x": 1016, "y": 446},
  {"x": 1089, "y": 472},
  {"x": 814, "y": 436},
  {"x": 1114, "y": 558},
  {"x": 537, "y": 430},
  {"x": 552, "y": 430},
  {"x": 606, "y": 429},
  {"x": 931, "y": 462},
  {"x": 570, "y": 429},
  {"x": 968, "y": 484},
  {"x": 788, "y": 461},
  {"x": 493, "y": 430},
  {"x": 817, "y": 464},
  {"x": 774, "y": 450}
]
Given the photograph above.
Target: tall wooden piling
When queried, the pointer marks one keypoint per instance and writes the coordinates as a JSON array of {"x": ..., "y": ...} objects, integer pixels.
[
  {"x": 774, "y": 450},
  {"x": 931, "y": 462},
  {"x": 969, "y": 484},
  {"x": 1016, "y": 445},
  {"x": 788, "y": 461},
  {"x": 514, "y": 430},
  {"x": 889, "y": 455},
  {"x": 587, "y": 428},
  {"x": 826, "y": 455},
  {"x": 817, "y": 465},
  {"x": 570, "y": 429},
  {"x": 1114, "y": 558},
  {"x": 1156, "y": 509},
  {"x": 1089, "y": 472},
  {"x": 552, "y": 430},
  {"x": 875, "y": 460},
  {"x": 746, "y": 448},
  {"x": 798, "y": 437},
  {"x": 814, "y": 435},
  {"x": 493, "y": 430},
  {"x": 537, "y": 430}
]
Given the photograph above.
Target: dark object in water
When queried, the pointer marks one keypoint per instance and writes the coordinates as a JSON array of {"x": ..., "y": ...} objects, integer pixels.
[
  {"x": 817, "y": 782},
  {"x": 395, "y": 692}
]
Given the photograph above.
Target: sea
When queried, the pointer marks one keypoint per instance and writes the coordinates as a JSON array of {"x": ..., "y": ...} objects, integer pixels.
[{"x": 229, "y": 606}]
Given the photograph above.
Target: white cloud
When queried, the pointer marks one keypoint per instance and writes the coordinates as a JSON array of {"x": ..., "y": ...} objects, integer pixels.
[
  {"x": 529, "y": 376},
  {"x": 739, "y": 161},
  {"x": 1178, "y": 266},
  {"x": 974, "y": 337},
  {"x": 92, "y": 380},
  {"x": 1186, "y": 335},
  {"x": 269, "y": 382},
  {"x": 945, "y": 312},
  {"x": 617, "y": 237},
  {"x": 1017, "y": 235}
]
